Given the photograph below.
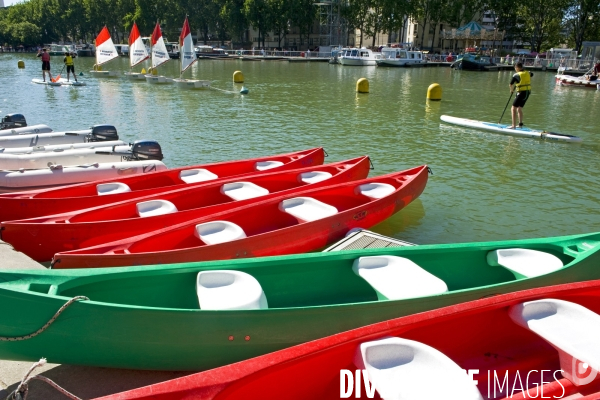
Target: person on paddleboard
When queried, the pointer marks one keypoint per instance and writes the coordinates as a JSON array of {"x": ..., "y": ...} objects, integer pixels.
[
  {"x": 45, "y": 63},
  {"x": 521, "y": 82},
  {"x": 68, "y": 60}
]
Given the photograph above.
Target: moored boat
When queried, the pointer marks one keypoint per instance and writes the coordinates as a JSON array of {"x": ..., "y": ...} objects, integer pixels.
[
  {"x": 474, "y": 62},
  {"x": 97, "y": 133},
  {"x": 59, "y": 200},
  {"x": 105, "y": 52},
  {"x": 151, "y": 317},
  {"x": 188, "y": 58},
  {"x": 358, "y": 57},
  {"x": 16, "y": 124},
  {"x": 160, "y": 56},
  {"x": 107, "y": 223},
  {"x": 482, "y": 336},
  {"x": 138, "y": 53},
  {"x": 399, "y": 57},
  {"x": 585, "y": 81}
]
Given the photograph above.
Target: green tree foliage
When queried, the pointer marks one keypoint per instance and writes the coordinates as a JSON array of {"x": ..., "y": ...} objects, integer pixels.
[
  {"x": 582, "y": 21},
  {"x": 541, "y": 22}
]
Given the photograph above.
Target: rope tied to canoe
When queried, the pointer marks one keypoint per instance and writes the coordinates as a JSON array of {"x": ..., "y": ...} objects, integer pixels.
[
  {"x": 43, "y": 328},
  {"x": 22, "y": 390}
]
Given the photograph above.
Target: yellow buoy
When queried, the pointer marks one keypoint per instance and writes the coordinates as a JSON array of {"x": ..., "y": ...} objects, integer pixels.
[
  {"x": 21, "y": 64},
  {"x": 154, "y": 71},
  {"x": 434, "y": 92},
  {"x": 238, "y": 77},
  {"x": 362, "y": 85},
  {"x": 143, "y": 71}
]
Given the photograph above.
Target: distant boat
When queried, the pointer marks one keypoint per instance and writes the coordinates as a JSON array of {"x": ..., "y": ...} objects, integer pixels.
[
  {"x": 360, "y": 57},
  {"x": 204, "y": 51},
  {"x": 105, "y": 51},
  {"x": 188, "y": 58},
  {"x": 160, "y": 55},
  {"x": 473, "y": 62},
  {"x": 173, "y": 49},
  {"x": 397, "y": 57},
  {"x": 138, "y": 53}
]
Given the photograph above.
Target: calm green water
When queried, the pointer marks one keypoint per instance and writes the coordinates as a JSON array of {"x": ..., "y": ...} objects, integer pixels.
[{"x": 485, "y": 186}]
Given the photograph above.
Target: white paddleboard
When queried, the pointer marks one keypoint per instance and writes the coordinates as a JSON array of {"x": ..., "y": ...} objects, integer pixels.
[
  {"x": 47, "y": 82},
  {"x": 505, "y": 129},
  {"x": 63, "y": 81}
]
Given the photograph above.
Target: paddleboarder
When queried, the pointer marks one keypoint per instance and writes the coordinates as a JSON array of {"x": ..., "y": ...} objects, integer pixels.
[
  {"x": 45, "y": 63},
  {"x": 68, "y": 60},
  {"x": 521, "y": 82}
]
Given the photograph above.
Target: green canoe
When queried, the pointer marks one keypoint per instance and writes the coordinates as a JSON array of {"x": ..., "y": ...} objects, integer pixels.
[{"x": 150, "y": 318}]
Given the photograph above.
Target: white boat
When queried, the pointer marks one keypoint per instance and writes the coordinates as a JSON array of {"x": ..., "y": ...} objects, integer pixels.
[
  {"x": 97, "y": 133},
  {"x": 105, "y": 51},
  {"x": 578, "y": 81},
  {"x": 187, "y": 59},
  {"x": 204, "y": 51},
  {"x": 159, "y": 57},
  {"x": 12, "y": 181},
  {"x": 359, "y": 57},
  {"x": 138, "y": 53},
  {"x": 105, "y": 154},
  {"x": 397, "y": 57},
  {"x": 15, "y": 124},
  {"x": 60, "y": 147},
  {"x": 506, "y": 130}
]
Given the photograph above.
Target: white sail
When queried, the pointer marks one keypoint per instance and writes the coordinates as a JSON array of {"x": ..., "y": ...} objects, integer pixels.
[
  {"x": 160, "y": 55},
  {"x": 137, "y": 48},
  {"x": 105, "y": 48},
  {"x": 186, "y": 47}
]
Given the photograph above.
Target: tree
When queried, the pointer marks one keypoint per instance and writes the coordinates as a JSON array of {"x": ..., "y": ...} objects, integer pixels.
[
  {"x": 541, "y": 22},
  {"x": 581, "y": 19},
  {"x": 258, "y": 14}
]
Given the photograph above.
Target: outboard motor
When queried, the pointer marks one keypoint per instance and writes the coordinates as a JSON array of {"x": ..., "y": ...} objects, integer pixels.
[
  {"x": 146, "y": 150},
  {"x": 12, "y": 121},
  {"x": 103, "y": 133}
]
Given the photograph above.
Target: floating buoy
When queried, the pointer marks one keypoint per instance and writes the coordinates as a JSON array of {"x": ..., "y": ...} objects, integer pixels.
[
  {"x": 362, "y": 85},
  {"x": 434, "y": 92},
  {"x": 21, "y": 64},
  {"x": 244, "y": 90},
  {"x": 154, "y": 71},
  {"x": 143, "y": 71},
  {"x": 238, "y": 77},
  {"x": 81, "y": 74}
]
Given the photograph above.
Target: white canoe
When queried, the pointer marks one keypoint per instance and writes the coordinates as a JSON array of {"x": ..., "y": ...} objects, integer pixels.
[
  {"x": 26, "y": 130},
  {"x": 504, "y": 129},
  {"x": 60, "y": 147},
  {"x": 47, "y": 82},
  {"x": 97, "y": 133},
  {"x": 11, "y": 181}
]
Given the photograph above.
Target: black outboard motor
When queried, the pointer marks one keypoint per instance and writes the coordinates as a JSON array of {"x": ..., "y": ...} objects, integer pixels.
[
  {"x": 12, "y": 121},
  {"x": 146, "y": 150},
  {"x": 103, "y": 133}
]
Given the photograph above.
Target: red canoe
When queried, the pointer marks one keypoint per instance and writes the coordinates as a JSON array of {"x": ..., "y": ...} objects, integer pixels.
[
  {"x": 484, "y": 335},
  {"x": 84, "y": 195},
  {"x": 40, "y": 238},
  {"x": 295, "y": 223}
]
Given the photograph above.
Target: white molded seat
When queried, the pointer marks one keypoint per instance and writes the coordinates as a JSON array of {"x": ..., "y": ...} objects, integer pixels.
[
  {"x": 264, "y": 165},
  {"x": 395, "y": 278},
  {"x": 229, "y": 290},
  {"x": 570, "y": 328},
  {"x": 524, "y": 263},
  {"x": 243, "y": 190},
  {"x": 155, "y": 207},
  {"x": 216, "y": 232},
  {"x": 314, "y": 176},
  {"x": 112, "y": 188},
  {"x": 196, "y": 175},
  {"x": 409, "y": 370},
  {"x": 375, "y": 190},
  {"x": 307, "y": 209}
]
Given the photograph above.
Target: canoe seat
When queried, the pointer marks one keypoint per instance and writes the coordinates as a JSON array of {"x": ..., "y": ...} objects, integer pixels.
[
  {"x": 375, "y": 190},
  {"x": 216, "y": 232},
  {"x": 229, "y": 290},
  {"x": 243, "y": 190},
  {"x": 196, "y": 175},
  {"x": 570, "y": 328},
  {"x": 314, "y": 176},
  {"x": 395, "y": 278},
  {"x": 155, "y": 207},
  {"x": 112, "y": 188},
  {"x": 405, "y": 369},
  {"x": 264, "y": 165},
  {"x": 307, "y": 209},
  {"x": 524, "y": 263}
]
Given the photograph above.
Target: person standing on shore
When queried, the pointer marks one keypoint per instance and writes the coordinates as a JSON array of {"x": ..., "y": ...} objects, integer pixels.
[
  {"x": 68, "y": 60},
  {"x": 521, "y": 81},
  {"x": 45, "y": 63}
]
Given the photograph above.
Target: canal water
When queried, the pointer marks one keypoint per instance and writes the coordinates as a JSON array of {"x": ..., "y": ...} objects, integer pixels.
[{"x": 484, "y": 186}]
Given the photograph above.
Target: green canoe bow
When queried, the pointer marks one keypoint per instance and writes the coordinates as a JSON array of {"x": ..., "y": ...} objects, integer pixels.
[{"x": 148, "y": 317}]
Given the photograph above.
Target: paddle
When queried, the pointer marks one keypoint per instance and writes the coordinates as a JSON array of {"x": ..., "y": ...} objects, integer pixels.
[
  {"x": 58, "y": 76},
  {"x": 505, "y": 107}
]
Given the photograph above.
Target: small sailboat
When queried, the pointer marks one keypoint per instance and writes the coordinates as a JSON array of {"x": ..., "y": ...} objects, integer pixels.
[
  {"x": 105, "y": 51},
  {"x": 138, "y": 53},
  {"x": 160, "y": 55},
  {"x": 188, "y": 58}
]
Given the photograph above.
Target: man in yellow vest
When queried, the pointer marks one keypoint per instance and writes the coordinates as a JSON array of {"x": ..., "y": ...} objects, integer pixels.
[
  {"x": 68, "y": 60},
  {"x": 521, "y": 81}
]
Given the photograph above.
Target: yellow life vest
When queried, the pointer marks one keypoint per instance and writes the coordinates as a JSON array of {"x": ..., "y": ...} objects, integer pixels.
[
  {"x": 524, "y": 81},
  {"x": 68, "y": 60}
]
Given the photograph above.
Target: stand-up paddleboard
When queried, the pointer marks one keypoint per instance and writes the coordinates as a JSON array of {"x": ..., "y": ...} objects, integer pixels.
[
  {"x": 63, "y": 81},
  {"x": 43, "y": 82},
  {"x": 505, "y": 129}
]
